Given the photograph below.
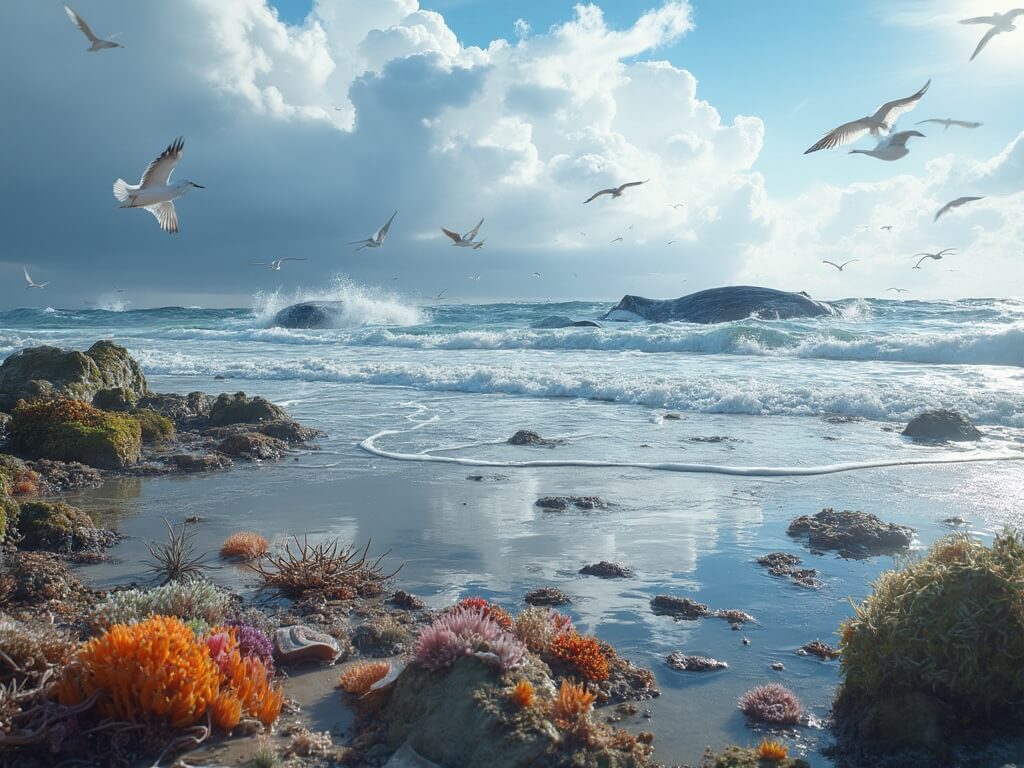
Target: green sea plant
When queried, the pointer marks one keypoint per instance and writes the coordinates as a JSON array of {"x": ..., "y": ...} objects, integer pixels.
[
  {"x": 155, "y": 427},
  {"x": 176, "y": 559},
  {"x": 941, "y": 638},
  {"x": 190, "y": 601},
  {"x": 72, "y": 430}
]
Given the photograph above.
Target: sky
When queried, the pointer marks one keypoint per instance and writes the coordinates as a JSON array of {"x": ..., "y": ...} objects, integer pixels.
[{"x": 310, "y": 121}]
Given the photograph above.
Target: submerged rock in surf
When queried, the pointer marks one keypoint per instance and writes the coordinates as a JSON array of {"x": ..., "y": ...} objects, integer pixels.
[
  {"x": 309, "y": 314},
  {"x": 560, "y": 321},
  {"x": 854, "y": 534},
  {"x": 562, "y": 503},
  {"x": 720, "y": 305},
  {"x": 529, "y": 437},
  {"x": 680, "y": 661},
  {"x": 940, "y": 426}
]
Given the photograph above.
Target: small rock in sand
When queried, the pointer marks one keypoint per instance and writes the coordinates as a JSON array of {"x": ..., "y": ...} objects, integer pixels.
[
  {"x": 407, "y": 600},
  {"x": 297, "y": 644},
  {"x": 547, "y": 596},
  {"x": 606, "y": 570},
  {"x": 562, "y": 503},
  {"x": 682, "y": 662}
]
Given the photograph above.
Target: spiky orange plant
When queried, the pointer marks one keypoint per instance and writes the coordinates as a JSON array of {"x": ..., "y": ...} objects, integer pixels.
[
  {"x": 523, "y": 694},
  {"x": 226, "y": 711},
  {"x": 244, "y": 545},
  {"x": 772, "y": 750},
  {"x": 153, "y": 670},
  {"x": 358, "y": 678},
  {"x": 582, "y": 653},
  {"x": 572, "y": 703},
  {"x": 500, "y": 616},
  {"x": 248, "y": 680}
]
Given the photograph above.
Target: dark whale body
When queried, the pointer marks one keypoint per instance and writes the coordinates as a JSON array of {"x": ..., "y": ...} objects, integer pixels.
[
  {"x": 308, "y": 314},
  {"x": 559, "y": 321},
  {"x": 721, "y": 305}
]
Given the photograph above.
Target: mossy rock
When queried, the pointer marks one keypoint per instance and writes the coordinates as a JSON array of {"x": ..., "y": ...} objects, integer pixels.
[
  {"x": 51, "y": 525},
  {"x": 944, "y": 635},
  {"x": 742, "y": 757},
  {"x": 239, "y": 408},
  {"x": 8, "y": 514},
  {"x": 51, "y": 372},
  {"x": 71, "y": 430},
  {"x": 155, "y": 428},
  {"x": 115, "y": 399}
]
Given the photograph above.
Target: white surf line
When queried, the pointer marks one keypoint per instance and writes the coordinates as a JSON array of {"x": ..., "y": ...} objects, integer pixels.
[{"x": 369, "y": 445}]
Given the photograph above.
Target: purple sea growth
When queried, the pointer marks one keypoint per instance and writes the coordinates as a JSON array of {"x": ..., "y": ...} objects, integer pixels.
[
  {"x": 460, "y": 633},
  {"x": 507, "y": 652},
  {"x": 772, "y": 703},
  {"x": 253, "y": 642}
]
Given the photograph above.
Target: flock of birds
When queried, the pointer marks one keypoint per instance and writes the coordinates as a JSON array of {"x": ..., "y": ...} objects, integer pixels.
[{"x": 156, "y": 193}]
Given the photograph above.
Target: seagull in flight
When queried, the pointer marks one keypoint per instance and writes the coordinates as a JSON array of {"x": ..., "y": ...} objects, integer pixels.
[
  {"x": 881, "y": 121},
  {"x": 467, "y": 240},
  {"x": 617, "y": 240},
  {"x": 474, "y": 278},
  {"x": 1001, "y": 22},
  {"x": 275, "y": 264},
  {"x": 677, "y": 205},
  {"x": 440, "y": 296},
  {"x": 839, "y": 266},
  {"x": 926, "y": 256},
  {"x": 536, "y": 274},
  {"x": 892, "y": 147},
  {"x": 615, "y": 191},
  {"x": 955, "y": 204},
  {"x": 377, "y": 239},
  {"x": 672, "y": 242},
  {"x": 899, "y": 290},
  {"x": 946, "y": 121},
  {"x": 936, "y": 256},
  {"x": 31, "y": 282},
  {"x": 97, "y": 43},
  {"x": 155, "y": 193},
  {"x": 886, "y": 227}
]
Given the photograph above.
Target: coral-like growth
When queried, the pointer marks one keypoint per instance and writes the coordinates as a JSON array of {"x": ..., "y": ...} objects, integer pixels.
[
  {"x": 772, "y": 750},
  {"x": 326, "y": 568},
  {"x": 950, "y": 625},
  {"x": 582, "y": 653},
  {"x": 27, "y": 650},
  {"x": 187, "y": 600},
  {"x": 253, "y": 641},
  {"x": 537, "y": 627},
  {"x": 244, "y": 545},
  {"x": 359, "y": 677},
  {"x": 523, "y": 694},
  {"x": 250, "y": 682},
  {"x": 507, "y": 652},
  {"x": 458, "y": 633},
  {"x": 572, "y": 704},
  {"x": 500, "y": 615},
  {"x": 226, "y": 711},
  {"x": 772, "y": 703},
  {"x": 156, "y": 670}
]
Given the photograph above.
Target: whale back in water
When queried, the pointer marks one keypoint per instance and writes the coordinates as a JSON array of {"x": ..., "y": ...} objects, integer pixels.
[
  {"x": 721, "y": 305},
  {"x": 559, "y": 321},
  {"x": 309, "y": 314}
]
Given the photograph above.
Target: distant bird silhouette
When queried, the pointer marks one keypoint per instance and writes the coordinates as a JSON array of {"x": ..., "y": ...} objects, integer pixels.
[
  {"x": 678, "y": 205},
  {"x": 32, "y": 283},
  {"x": 955, "y": 204},
  {"x": 881, "y": 121},
  {"x": 376, "y": 240},
  {"x": 946, "y": 122},
  {"x": 839, "y": 266},
  {"x": 925, "y": 257},
  {"x": 615, "y": 191},
  {"x": 886, "y": 227},
  {"x": 617, "y": 240},
  {"x": 97, "y": 43},
  {"x": 1001, "y": 22},
  {"x": 899, "y": 290},
  {"x": 275, "y": 264},
  {"x": 467, "y": 240},
  {"x": 536, "y": 274},
  {"x": 938, "y": 255}
]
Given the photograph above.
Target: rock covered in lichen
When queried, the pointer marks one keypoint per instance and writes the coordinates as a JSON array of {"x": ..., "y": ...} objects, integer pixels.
[
  {"x": 239, "y": 408},
  {"x": 71, "y": 430}
]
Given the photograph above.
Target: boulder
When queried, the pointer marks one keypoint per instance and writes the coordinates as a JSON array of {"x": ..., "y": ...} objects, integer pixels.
[
  {"x": 60, "y": 476},
  {"x": 941, "y": 426},
  {"x": 309, "y": 314},
  {"x": 606, "y": 570},
  {"x": 155, "y": 427},
  {"x": 184, "y": 410},
  {"x": 71, "y": 430},
  {"x": 680, "y": 661},
  {"x": 562, "y": 503},
  {"x": 547, "y": 596},
  {"x": 193, "y": 462},
  {"x": 679, "y": 607},
  {"x": 853, "y": 534},
  {"x": 242, "y": 409},
  {"x": 252, "y": 446},
  {"x": 298, "y": 644},
  {"x": 559, "y": 321},
  {"x": 59, "y": 527},
  {"x": 720, "y": 305},
  {"x": 527, "y": 437},
  {"x": 51, "y": 372}
]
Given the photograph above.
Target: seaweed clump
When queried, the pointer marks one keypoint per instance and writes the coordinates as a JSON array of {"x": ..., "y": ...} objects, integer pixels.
[
  {"x": 72, "y": 430},
  {"x": 935, "y": 652}
]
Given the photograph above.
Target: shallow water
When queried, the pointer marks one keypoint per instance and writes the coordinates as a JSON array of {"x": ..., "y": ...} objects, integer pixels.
[{"x": 458, "y": 381}]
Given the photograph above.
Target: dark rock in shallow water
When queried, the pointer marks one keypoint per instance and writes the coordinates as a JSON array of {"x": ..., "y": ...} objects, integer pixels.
[
  {"x": 239, "y": 408},
  {"x": 309, "y": 314},
  {"x": 252, "y": 446},
  {"x": 682, "y": 662},
  {"x": 526, "y": 437},
  {"x": 679, "y": 607},
  {"x": 606, "y": 570},
  {"x": 558, "y": 321},
  {"x": 854, "y": 534},
  {"x": 784, "y": 564},
  {"x": 720, "y": 305},
  {"x": 49, "y": 371},
  {"x": 940, "y": 426},
  {"x": 193, "y": 462},
  {"x": 562, "y": 503},
  {"x": 547, "y": 596},
  {"x": 819, "y": 649},
  {"x": 59, "y": 527},
  {"x": 60, "y": 476}
]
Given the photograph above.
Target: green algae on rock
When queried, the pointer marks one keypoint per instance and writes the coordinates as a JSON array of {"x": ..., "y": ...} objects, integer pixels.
[
  {"x": 54, "y": 526},
  {"x": 155, "y": 427},
  {"x": 239, "y": 408},
  {"x": 71, "y": 430},
  {"x": 51, "y": 372},
  {"x": 935, "y": 652}
]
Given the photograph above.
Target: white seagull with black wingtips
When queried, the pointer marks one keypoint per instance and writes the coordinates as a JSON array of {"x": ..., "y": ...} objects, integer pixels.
[{"x": 155, "y": 192}]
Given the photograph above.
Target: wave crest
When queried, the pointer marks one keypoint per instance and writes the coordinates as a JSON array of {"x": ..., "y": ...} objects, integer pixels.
[{"x": 358, "y": 305}]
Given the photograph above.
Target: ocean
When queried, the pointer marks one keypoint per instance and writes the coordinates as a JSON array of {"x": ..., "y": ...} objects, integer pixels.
[{"x": 418, "y": 399}]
